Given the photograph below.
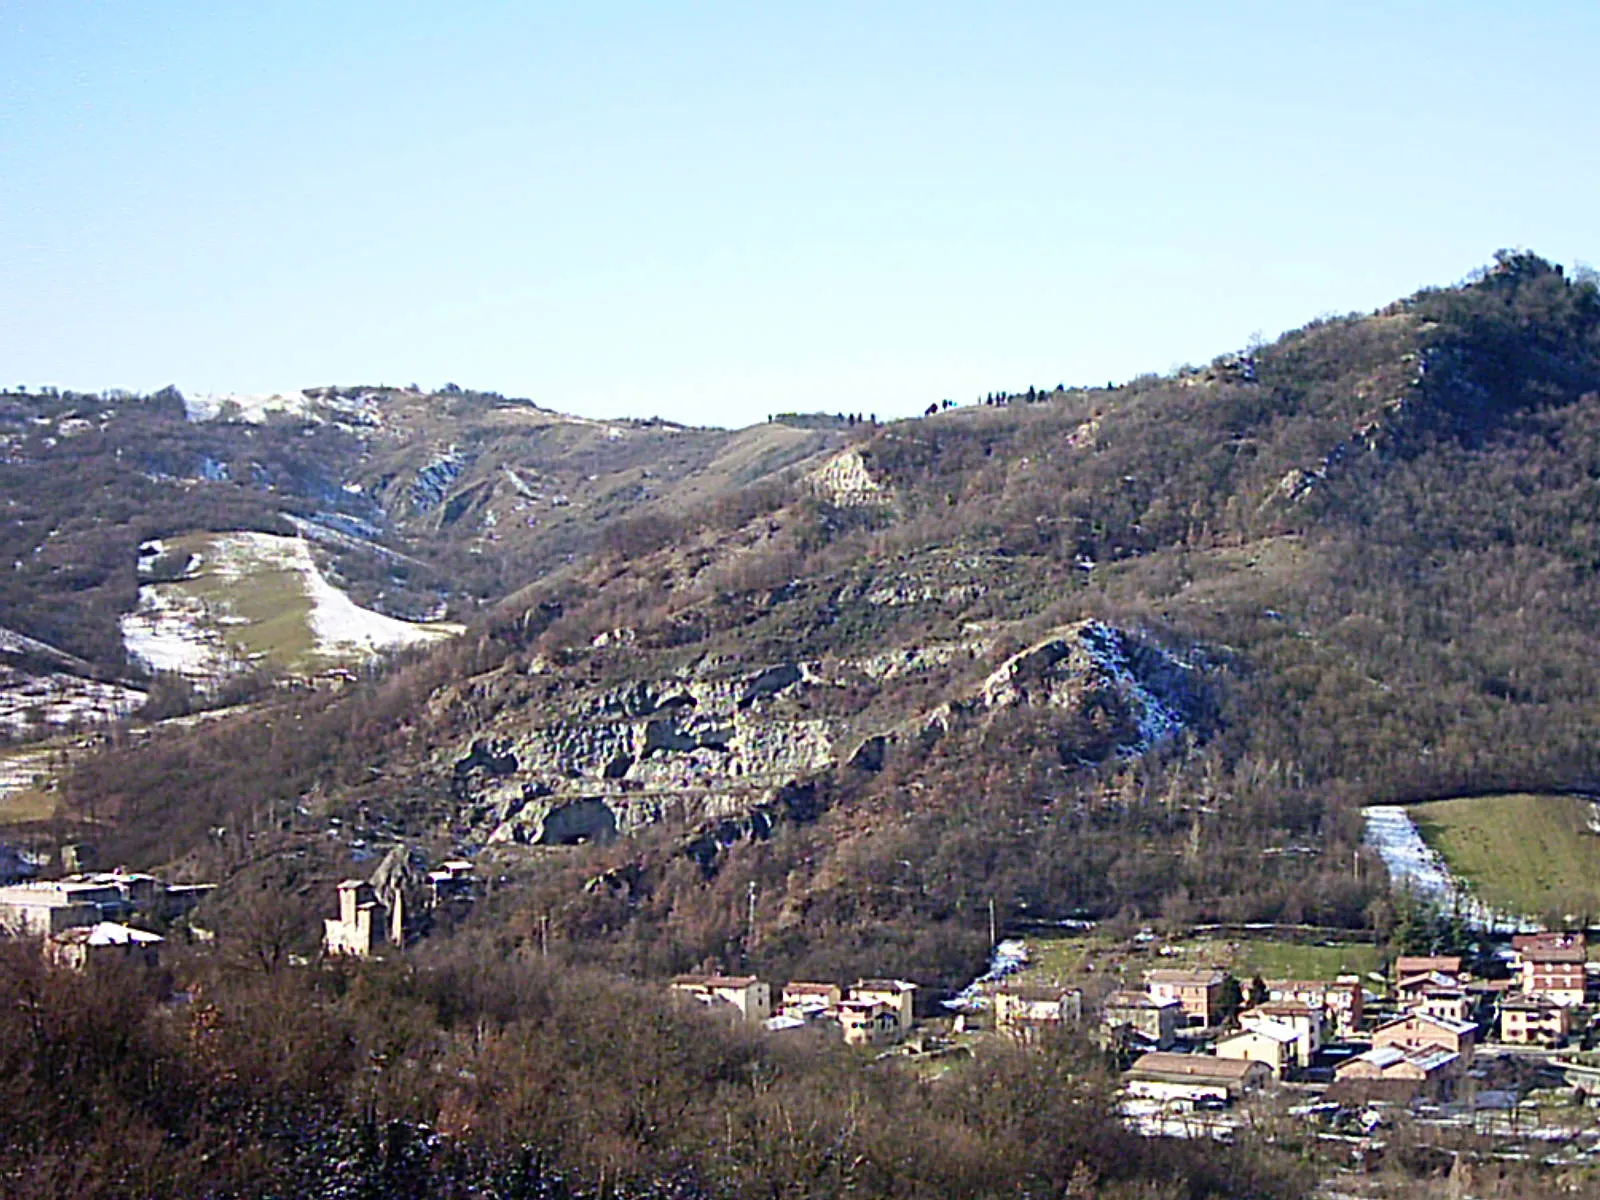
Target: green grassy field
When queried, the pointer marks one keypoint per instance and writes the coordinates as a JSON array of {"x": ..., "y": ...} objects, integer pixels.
[
  {"x": 1066, "y": 960},
  {"x": 29, "y": 804},
  {"x": 1527, "y": 853},
  {"x": 20, "y": 799},
  {"x": 1287, "y": 960}
]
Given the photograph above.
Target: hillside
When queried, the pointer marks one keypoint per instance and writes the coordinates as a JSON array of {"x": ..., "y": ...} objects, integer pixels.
[
  {"x": 1137, "y": 651},
  {"x": 417, "y": 505},
  {"x": 1522, "y": 853}
]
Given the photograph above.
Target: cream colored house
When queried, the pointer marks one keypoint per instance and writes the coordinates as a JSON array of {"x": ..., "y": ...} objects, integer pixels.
[
  {"x": 1306, "y": 1020},
  {"x": 46, "y": 907},
  {"x": 1156, "y": 1022},
  {"x": 741, "y": 995},
  {"x": 1453, "y": 1005},
  {"x": 1341, "y": 1001},
  {"x": 868, "y": 1022},
  {"x": 895, "y": 994},
  {"x": 1023, "y": 1012},
  {"x": 1267, "y": 1042},
  {"x": 1534, "y": 1021},
  {"x": 1419, "y": 1031},
  {"x": 802, "y": 997}
]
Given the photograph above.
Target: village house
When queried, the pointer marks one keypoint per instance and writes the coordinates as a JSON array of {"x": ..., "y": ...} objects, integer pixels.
[
  {"x": 743, "y": 996},
  {"x": 88, "y": 946},
  {"x": 1199, "y": 993},
  {"x": 451, "y": 880},
  {"x": 1452, "y": 1005},
  {"x": 1143, "y": 1016},
  {"x": 43, "y": 907},
  {"x": 1431, "y": 1068},
  {"x": 1307, "y": 1021},
  {"x": 1552, "y": 965},
  {"x": 1340, "y": 1001},
  {"x": 362, "y": 924},
  {"x": 868, "y": 1022},
  {"x": 1419, "y": 1031},
  {"x": 1534, "y": 1021},
  {"x": 1410, "y": 990},
  {"x": 1266, "y": 1042},
  {"x": 896, "y": 994},
  {"x": 1022, "y": 1012},
  {"x": 801, "y": 998},
  {"x": 1409, "y": 965},
  {"x": 1191, "y": 1078}
]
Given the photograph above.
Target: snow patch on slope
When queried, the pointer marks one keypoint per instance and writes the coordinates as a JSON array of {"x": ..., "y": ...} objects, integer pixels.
[
  {"x": 244, "y": 406},
  {"x": 168, "y": 632},
  {"x": 1158, "y": 720},
  {"x": 33, "y": 704},
  {"x": 205, "y": 637},
  {"x": 1093, "y": 657},
  {"x": 343, "y": 628}
]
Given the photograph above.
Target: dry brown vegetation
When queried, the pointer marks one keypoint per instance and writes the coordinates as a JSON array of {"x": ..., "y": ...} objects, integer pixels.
[{"x": 479, "y": 1073}]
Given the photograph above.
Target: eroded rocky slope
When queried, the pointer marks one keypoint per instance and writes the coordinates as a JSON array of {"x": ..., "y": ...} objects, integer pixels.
[{"x": 721, "y": 740}]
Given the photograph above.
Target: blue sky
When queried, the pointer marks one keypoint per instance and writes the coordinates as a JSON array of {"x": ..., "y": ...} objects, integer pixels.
[{"x": 714, "y": 211}]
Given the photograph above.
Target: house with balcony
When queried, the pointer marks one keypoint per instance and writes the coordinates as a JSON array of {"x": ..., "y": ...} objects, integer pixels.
[
  {"x": 895, "y": 994},
  {"x": 1552, "y": 965},
  {"x": 1534, "y": 1021}
]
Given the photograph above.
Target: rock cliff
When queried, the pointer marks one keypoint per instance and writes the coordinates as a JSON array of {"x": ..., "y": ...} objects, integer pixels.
[{"x": 716, "y": 743}]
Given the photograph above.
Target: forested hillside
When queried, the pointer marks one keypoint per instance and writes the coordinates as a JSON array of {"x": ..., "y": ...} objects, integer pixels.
[{"x": 1136, "y": 653}]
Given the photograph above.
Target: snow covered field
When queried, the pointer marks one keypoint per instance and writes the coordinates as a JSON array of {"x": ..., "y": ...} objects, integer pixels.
[
  {"x": 254, "y": 598},
  {"x": 33, "y": 704},
  {"x": 168, "y": 632},
  {"x": 1412, "y": 864}
]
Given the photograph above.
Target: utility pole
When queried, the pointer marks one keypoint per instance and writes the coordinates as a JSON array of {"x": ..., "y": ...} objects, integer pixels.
[
  {"x": 994, "y": 935},
  {"x": 544, "y": 935}
]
